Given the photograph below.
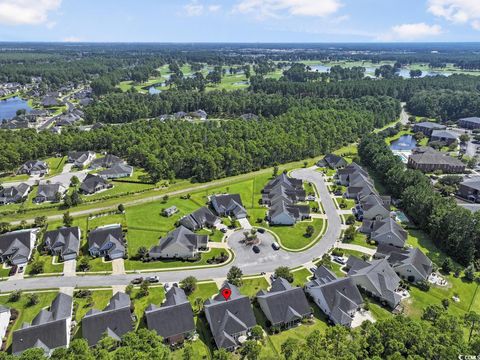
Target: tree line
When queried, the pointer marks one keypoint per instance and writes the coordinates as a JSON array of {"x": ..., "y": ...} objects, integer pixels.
[{"x": 452, "y": 228}]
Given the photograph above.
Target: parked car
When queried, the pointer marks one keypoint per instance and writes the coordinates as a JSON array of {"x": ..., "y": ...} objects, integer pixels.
[
  {"x": 138, "y": 280},
  {"x": 256, "y": 249},
  {"x": 340, "y": 260},
  {"x": 275, "y": 246},
  {"x": 313, "y": 269},
  {"x": 261, "y": 231},
  {"x": 153, "y": 279}
]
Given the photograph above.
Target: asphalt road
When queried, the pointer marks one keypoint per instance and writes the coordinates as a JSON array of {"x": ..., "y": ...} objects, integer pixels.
[{"x": 250, "y": 263}]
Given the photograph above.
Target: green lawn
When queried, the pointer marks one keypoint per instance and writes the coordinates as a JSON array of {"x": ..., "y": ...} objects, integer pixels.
[
  {"x": 156, "y": 295},
  {"x": 165, "y": 264},
  {"x": 203, "y": 291},
  {"x": 300, "y": 277},
  {"x": 98, "y": 265},
  {"x": 26, "y": 313},
  {"x": 346, "y": 204},
  {"x": 418, "y": 239},
  {"x": 293, "y": 237},
  {"x": 361, "y": 239},
  {"x": 251, "y": 287},
  {"x": 48, "y": 267},
  {"x": 55, "y": 165},
  {"x": 100, "y": 299}
]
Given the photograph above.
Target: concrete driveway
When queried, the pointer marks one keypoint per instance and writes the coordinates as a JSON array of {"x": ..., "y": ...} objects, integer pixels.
[
  {"x": 250, "y": 263},
  {"x": 70, "y": 268}
]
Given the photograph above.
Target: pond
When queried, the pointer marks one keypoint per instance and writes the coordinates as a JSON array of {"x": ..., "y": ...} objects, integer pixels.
[
  {"x": 320, "y": 68},
  {"x": 9, "y": 107},
  {"x": 404, "y": 142},
  {"x": 153, "y": 91}
]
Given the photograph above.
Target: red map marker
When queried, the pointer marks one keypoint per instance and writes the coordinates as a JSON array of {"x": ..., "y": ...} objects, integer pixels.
[{"x": 226, "y": 293}]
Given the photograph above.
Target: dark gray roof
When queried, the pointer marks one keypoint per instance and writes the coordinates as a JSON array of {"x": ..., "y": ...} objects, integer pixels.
[
  {"x": 334, "y": 161},
  {"x": 413, "y": 256},
  {"x": 199, "y": 218},
  {"x": 474, "y": 120},
  {"x": 14, "y": 191},
  {"x": 104, "y": 234},
  {"x": 389, "y": 227},
  {"x": 34, "y": 165},
  {"x": 427, "y": 155},
  {"x": 430, "y": 125},
  {"x": 229, "y": 203},
  {"x": 229, "y": 317},
  {"x": 48, "y": 329},
  {"x": 49, "y": 191},
  {"x": 115, "y": 320},
  {"x": 107, "y": 161},
  {"x": 66, "y": 239},
  {"x": 180, "y": 236},
  {"x": 444, "y": 134},
  {"x": 117, "y": 169},
  {"x": 91, "y": 182},
  {"x": 173, "y": 317},
  {"x": 284, "y": 303},
  {"x": 16, "y": 245},
  {"x": 472, "y": 183},
  {"x": 79, "y": 156}
]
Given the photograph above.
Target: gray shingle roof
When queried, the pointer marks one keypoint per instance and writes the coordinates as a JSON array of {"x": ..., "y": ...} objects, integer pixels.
[
  {"x": 444, "y": 134},
  {"x": 16, "y": 245},
  {"x": 173, "y": 317},
  {"x": 66, "y": 240},
  {"x": 229, "y": 203},
  {"x": 91, "y": 183},
  {"x": 430, "y": 125},
  {"x": 284, "y": 303},
  {"x": 413, "y": 256},
  {"x": 49, "y": 191},
  {"x": 473, "y": 120},
  {"x": 390, "y": 228},
  {"x": 229, "y": 317},
  {"x": 116, "y": 170},
  {"x": 199, "y": 219},
  {"x": 105, "y": 234},
  {"x": 181, "y": 236},
  {"x": 115, "y": 320},
  {"x": 107, "y": 161},
  {"x": 48, "y": 329},
  {"x": 427, "y": 155}
]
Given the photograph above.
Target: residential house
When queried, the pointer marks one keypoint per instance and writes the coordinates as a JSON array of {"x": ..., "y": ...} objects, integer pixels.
[
  {"x": 427, "y": 159},
  {"x": 283, "y": 212},
  {"x": 93, "y": 183},
  {"x": 468, "y": 189},
  {"x": 50, "y": 192},
  {"x": 34, "y": 167},
  {"x": 249, "y": 116},
  {"x": 389, "y": 232},
  {"x": 107, "y": 241},
  {"x": 173, "y": 320},
  {"x": 469, "y": 123},
  {"x": 180, "y": 243},
  {"x": 63, "y": 242},
  {"x": 228, "y": 205},
  {"x": 359, "y": 185},
  {"x": 338, "y": 298},
  {"x": 283, "y": 305},
  {"x": 343, "y": 175},
  {"x": 199, "y": 219},
  {"x": 4, "y": 321},
  {"x": 332, "y": 161},
  {"x": 410, "y": 264},
  {"x": 114, "y": 321},
  {"x": 14, "y": 194},
  {"x": 427, "y": 127},
  {"x": 50, "y": 101},
  {"x": 106, "y": 162},
  {"x": 16, "y": 246},
  {"x": 116, "y": 171},
  {"x": 230, "y": 320},
  {"x": 81, "y": 159},
  {"x": 373, "y": 207},
  {"x": 172, "y": 210},
  {"x": 444, "y": 136},
  {"x": 49, "y": 330},
  {"x": 199, "y": 114},
  {"x": 378, "y": 279}
]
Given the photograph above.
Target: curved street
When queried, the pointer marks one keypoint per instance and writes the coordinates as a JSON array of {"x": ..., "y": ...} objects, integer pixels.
[{"x": 250, "y": 263}]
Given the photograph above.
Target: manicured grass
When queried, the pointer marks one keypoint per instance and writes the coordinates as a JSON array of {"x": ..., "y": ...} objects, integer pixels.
[
  {"x": 13, "y": 177},
  {"x": 55, "y": 165},
  {"x": 361, "y": 239},
  {"x": 251, "y": 287},
  {"x": 100, "y": 299},
  {"x": 346, "y": 204},
  {"x": 336, "y": 268},
  {"x": 418, "y": 239},
  {"x": 156, "y": 295},
  {"x": 293, "y": 237},
  {"x": 300, "y": 277},
  {"x": 119, "y": 188},
  {"x": 26, "y": 313},
  {"x": 48, "y": 267},
  {"x": 164, "y": 264},
  {"x": 203, "y": 291},
  {"x": 199, "y": 349},
  {"x": 138, "y": 238},
  {"x": 106, "y": 220},
  {"x": 97, "y": 265},
  {"x": 379, "y": 312}
]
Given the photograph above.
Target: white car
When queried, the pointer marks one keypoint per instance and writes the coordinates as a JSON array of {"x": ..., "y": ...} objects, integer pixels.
[{"x": 340, "y": 260}]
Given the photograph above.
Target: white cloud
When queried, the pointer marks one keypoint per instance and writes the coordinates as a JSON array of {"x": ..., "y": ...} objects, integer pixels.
[
  {"x": 26, "y": 12},
  {"x": 407, "y": 32},
  {"x": 194, "y": 8},
  {"x": 457, "y": 11},
  {"x": 214, "y": 8},
  {"x": 273, "y": 8},
  {"x": 72, "y": 39}
]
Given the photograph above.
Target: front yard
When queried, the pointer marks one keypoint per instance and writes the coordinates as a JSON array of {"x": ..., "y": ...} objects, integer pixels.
[{"x": 294, "y": 237}]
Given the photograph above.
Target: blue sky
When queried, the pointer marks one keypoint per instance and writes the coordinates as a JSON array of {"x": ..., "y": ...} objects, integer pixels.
[{"x": 239, "y": 20}]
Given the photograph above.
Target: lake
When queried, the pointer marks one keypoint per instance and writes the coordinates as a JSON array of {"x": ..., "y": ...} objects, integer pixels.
[
  {"x": 9, "y": 107},
  {"x": 154, "y": 91},
  {"x": 404, "y": 142},
  {"x": 370, "y": 71}
]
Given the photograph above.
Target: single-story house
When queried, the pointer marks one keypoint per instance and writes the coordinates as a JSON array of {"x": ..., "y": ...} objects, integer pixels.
[
  {"x": 106, "y": 161},
  {"x": 34, "y": 167},
  {"x": 444, "y": 136},
  {"x": 469, "y": 123},
  {"x": 180, "y": 243},
  {"x": 107, "y": 241},
  {"x": 338, "y": 298},
  {"x": 93, "y": 183},
  {"x": 16, "y": 246},
  {"x": 332, "y": 161},
  {"x": 284, "y": 305},
  {"x": 49, "y": 330},
  {"x": 63, "y": 242},
  {"x": 81, "y": 159},
  {"x": 410, "y": 264},
  {"x": 14, "y": 194},
  {"x": 50, "y": 192},
  {"x": 116, "y": 171},
  {"x": 427, "y": 159},
  {"x": 283, "y": 212},
  {"x": 199, "y": 219},
  {"x": 378, "y": 279},
  {"x": 114, "y": 321},
  {"x": 427, "y": 127},
  {"x": 228, "y": 205},
  {"x": 173, "y": 320},
  {"x": 229, "y": 320}
]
